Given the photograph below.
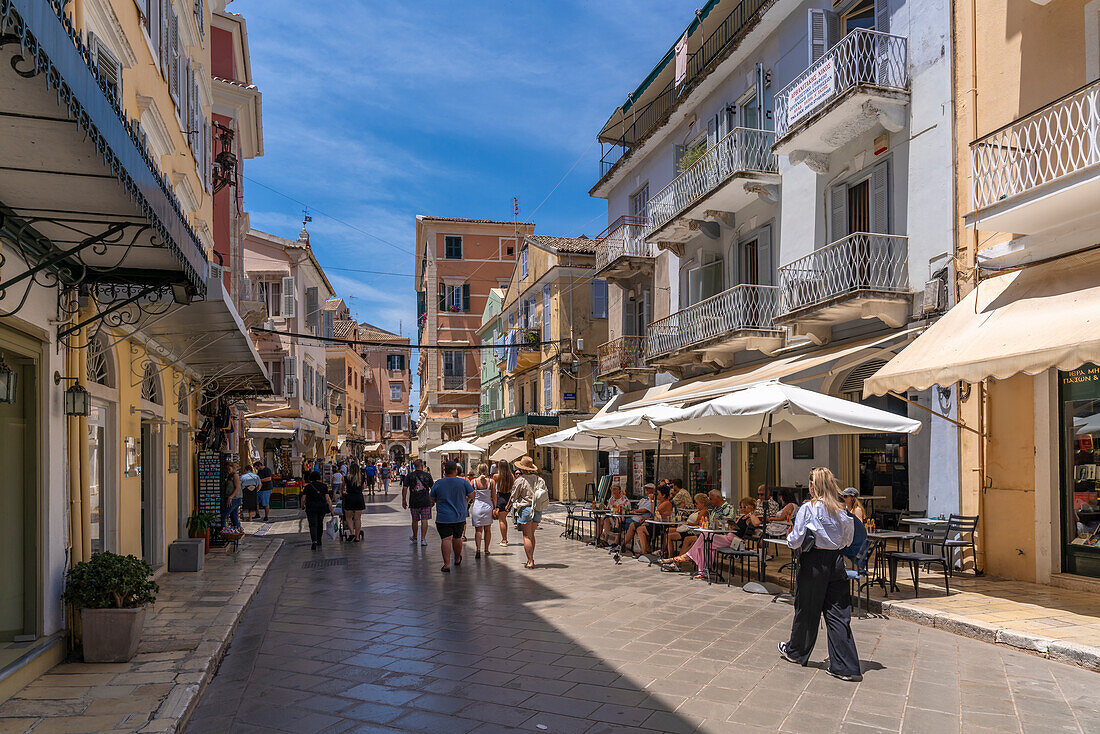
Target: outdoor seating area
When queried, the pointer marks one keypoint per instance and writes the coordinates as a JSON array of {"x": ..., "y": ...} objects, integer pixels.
[{"x": 753, "y": 548}]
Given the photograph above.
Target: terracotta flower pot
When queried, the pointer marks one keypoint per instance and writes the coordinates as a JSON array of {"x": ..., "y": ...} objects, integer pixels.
[
  {"x": 111, "y": 635},
  {"x": 205, "y": 535}
]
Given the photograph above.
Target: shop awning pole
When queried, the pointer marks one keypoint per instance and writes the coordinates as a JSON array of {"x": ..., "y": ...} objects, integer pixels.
[{"x": 925, "y": 408}]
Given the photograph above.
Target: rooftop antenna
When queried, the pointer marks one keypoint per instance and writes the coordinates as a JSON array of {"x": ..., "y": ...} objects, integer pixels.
[{"x": 515, "y": 220}]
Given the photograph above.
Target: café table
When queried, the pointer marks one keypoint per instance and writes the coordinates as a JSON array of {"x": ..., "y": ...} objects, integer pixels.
[
  {"x": 706, "y": 537},
  {"x": 599, "y": 514},
  {"x": 899, "y": 537},
  {"x": 660, "y": 530}
]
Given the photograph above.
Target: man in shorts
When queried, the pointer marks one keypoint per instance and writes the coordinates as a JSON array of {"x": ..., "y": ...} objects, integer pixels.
[
  {"x": 450, "y": 495},
  {"x": 368, "y": 476},
  {"x": 416, "y": 499},
  {"x": 267, "y": 483}
]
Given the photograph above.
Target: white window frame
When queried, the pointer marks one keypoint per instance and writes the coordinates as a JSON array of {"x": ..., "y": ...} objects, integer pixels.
[{"x": 396, "y": 390}]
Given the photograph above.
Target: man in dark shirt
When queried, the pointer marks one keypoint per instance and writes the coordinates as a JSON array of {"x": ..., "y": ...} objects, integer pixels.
[
  {"x": 263, "y": 497},
  {"x": 415, "y": 498}
]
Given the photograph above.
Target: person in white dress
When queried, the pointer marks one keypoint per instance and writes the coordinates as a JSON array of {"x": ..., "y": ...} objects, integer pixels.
[{"x": 481, "y": 513}]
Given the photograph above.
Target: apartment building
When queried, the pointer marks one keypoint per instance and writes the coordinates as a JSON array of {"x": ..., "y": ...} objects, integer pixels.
[
  {"x": 1017, "y": 345},
  {"x": 347, "y": 371},
  {"x": 491, "y": 332},
  {"x": 388, "y": 387},
  {"x": 458, "y": 261},
  {"x": 552, "y": 316},
  {"x": 779, "y": 194},
  {"x": 108, "y": 364},
  {"x": 292, "y": 424}
]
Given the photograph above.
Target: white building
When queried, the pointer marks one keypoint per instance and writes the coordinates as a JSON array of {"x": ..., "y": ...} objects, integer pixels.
[{"x": 780, "y": 192}]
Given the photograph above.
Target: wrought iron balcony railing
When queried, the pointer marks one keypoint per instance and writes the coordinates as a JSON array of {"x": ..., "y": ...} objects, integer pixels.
[
  {"x": 624, "y": 353},
  {"x": 461, "y": 383},
  {"x": 859, "y": 262},
  {"x": 862, "y": 58},
  {"x": 741, "y": 150},
  {"x": 625, "y": 237},
  {"x": 739, "y": 308},
  {"x": 1055, "y": 141}
]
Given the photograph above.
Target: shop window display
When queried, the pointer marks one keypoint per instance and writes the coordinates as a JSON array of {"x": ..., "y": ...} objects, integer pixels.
[{"x": 1080, "y": 415}]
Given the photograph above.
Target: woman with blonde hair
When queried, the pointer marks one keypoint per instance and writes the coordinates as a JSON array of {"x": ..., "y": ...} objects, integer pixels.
[
  {"x": 526, "y": 491},
  {"x": 502, "y": 486},
  {"x": 822, "y": 529},
  {"x": 481, "y": 512}
]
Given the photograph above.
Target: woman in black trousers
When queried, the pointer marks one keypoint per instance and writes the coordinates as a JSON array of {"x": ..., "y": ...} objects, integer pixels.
[
  {"x": 822, "y": 583},
  {"x": 318, "y": 503}
]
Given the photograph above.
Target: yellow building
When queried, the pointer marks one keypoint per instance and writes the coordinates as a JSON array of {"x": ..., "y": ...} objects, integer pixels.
[
  {"x": 1021, "y": 343},
  {"x": 552, "y": 318},
  {"x": 105, "y": 211}
]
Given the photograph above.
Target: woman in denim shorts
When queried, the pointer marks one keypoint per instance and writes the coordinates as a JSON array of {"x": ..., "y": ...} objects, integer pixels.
[{"x": 523, "y": 497}]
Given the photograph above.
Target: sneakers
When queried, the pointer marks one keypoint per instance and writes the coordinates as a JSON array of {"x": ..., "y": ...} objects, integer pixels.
[
  {"x": 786, "y": 655},
  {"x": 424, "y": 542},
  {"x": 848, "y": 678}
]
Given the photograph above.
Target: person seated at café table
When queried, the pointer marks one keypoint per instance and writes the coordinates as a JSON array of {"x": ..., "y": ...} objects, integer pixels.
[
  {"x": 682, "y": 540},
  {"x": 850, "y": 495},
  {"x": 680, "y": 496},
  {"x": 743, "y": 527},
  {"x": 664, "y": 511},
  {"x": 619, "y": 505},
  {"x": 636, "y": 518},
  {"x": 786, "y": 505}
]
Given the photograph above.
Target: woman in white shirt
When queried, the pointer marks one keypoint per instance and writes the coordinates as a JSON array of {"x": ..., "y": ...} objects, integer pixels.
[{"x": 822, "y": 584}]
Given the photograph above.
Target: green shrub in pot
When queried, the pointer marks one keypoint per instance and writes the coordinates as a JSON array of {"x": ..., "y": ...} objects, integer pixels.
[{"x": 111, "y": 593}]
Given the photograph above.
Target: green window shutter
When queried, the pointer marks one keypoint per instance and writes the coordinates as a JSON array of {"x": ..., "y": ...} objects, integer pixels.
[
  {"x": 442, "y": 297},
  {"x": 421, "y": 307},
  {"x": 466, "y": 297}
]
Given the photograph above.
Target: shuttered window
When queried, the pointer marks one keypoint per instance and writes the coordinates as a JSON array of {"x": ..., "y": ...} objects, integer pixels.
[
  {"x": 290, "y": 304},
  {"x": 546, "y": 313},
  {"x": 312, "y": 312},
  {"x": 599, "y": 298},
  {"x": 824, "y": 32}
]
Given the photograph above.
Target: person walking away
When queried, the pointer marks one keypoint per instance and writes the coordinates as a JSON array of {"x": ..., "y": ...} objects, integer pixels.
[
  {"x": 481, "y": 512},
  {"x": 416, "y": 499},
  {"x": 529, "y": 498},
  {"x": 385, "y": 477},
  {"x": 250, "y": 487},
  {"x": 231, "y": 497},
  {"x": 368, "y": 473},
  {"x": 502, "y": 483},
  {"x": 317, "y": 498},
  {"x": 338, "y": 480},
  {"x": 822, "y": 584},
  {"x": 354, "y": 504},
  {"x": 267, "y": 483},
  {"x": 449, "y": 496}
]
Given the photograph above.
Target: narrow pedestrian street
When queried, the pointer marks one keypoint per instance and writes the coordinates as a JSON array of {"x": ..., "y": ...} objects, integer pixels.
[{"x": 372, "y": 637}]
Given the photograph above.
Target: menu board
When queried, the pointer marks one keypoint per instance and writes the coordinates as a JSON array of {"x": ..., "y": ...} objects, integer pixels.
[{"x": 209, "y": 482}]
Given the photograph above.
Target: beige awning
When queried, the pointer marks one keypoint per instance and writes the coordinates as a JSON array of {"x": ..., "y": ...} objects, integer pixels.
[
  {"x": 485, "y": 441},
  {"x": 685, "y": 391},
  {"x": 271, "y": 432},
  {"x": 1025, "y": 321}
]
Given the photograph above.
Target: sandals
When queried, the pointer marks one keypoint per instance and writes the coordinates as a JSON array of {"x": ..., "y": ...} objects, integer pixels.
[
  {"x": 477, "y": 554},
  {"x": 504, "y": 544},
  {"x": 445, "y": 569},
  {"x": 529, "y": 564},
  {"x": 487, "y": 552}
]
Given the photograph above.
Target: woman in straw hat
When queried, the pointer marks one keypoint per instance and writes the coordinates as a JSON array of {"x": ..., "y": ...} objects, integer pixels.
[{"x": 527, "y": 485}]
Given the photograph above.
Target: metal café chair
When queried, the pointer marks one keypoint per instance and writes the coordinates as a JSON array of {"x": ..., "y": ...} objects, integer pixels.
[
  {"x": 959, "y": 535},
  {"x": 859, "y": 575},
  {"x": 743, "y": 557}
]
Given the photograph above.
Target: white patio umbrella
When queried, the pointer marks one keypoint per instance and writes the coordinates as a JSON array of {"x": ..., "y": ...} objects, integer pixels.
[
  {"x": 771, "y": 411},
  {"x": 575, "y": 438},
  {"x": 455, "y": 447},
  {"x": 509, "y": 451}
]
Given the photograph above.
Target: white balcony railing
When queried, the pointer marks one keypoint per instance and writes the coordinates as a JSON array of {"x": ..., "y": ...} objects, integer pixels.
[
  {"x": 741, "y": 307},
  {"x": 862, "y": 58},
  {"x": 625, "y": 238},
  {"x": 624, "y": 353},
  {"x": 859, "y": 262},
  {"x": 1055, "y": 141},
  {"x": 742, "y": 150}
]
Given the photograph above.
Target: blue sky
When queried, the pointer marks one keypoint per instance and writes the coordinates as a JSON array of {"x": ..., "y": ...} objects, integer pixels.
[{"x": 374, "y": 112}]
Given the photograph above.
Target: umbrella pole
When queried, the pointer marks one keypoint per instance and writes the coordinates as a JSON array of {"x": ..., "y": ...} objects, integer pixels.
[
  {"x": 656, "y": 468},
  {"x": 596, "y": 473}
]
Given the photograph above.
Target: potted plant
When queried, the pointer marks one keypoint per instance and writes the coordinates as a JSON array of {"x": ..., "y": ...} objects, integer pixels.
[
  {"x": 198, "y": 526},
  {"x": 111, "y": 592}
]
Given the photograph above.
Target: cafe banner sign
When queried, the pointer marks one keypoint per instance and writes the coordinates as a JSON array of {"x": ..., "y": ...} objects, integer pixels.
[{"x": 817, "y": 87}]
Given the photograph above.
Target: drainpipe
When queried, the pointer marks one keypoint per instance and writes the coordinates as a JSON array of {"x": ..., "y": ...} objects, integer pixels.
[
  {"x": 76, "y": 524},
  {"x": 82, "y": 452}
]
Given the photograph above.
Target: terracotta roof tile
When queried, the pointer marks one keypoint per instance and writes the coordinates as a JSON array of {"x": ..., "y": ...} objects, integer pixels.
[{"x": 582, "y": 245}]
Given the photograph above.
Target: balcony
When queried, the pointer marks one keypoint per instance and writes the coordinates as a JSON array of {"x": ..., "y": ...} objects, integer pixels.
[
  {"x": 622, "y": 254},
  {"x": 862, "y": 276},
  {"x": 732, "y": 173},
  {"x": 622, "y": 363},
  {"x": 1041, "y": 171},
  {"x": 860, "y": 83},
  {"x": 459, "y": 383},
  {"x": 497, "y": 420},
  {"x": 522, "y": 350},
  {"x": 709, "y": 333}
]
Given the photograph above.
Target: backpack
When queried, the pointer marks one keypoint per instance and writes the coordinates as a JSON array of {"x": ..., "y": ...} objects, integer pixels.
[
  {"x": 418, "y": 493},
  {"x": 541, "y": 500}
]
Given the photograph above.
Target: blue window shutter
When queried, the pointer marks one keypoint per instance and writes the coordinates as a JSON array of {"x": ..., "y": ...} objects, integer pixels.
[{"x": 599, "y": 299}]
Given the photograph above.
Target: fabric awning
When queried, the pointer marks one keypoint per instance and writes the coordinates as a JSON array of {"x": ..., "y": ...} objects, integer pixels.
[
  {"x": 680, "y": 393},
  {"x": 1026, "y": 321},
  {"x": 373, "y": 448},
  {"x": 270, "y": 432},
  {"x": 485, "y": 441}
]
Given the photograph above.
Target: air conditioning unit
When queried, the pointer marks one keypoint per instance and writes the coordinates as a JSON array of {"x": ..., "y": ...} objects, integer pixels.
[
  {"x": 269, "y": 323},
  {"x": 934, "y": 295}
]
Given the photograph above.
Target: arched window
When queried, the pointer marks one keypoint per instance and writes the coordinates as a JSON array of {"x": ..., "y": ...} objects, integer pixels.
[
  {"x": 100, "y": 369},
  {"x": 150, "y": 385}
]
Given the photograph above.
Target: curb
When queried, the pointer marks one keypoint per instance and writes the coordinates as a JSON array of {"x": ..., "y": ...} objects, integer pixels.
[
  {"x": 176, "y": 708},
  {"x": 1073, "y": 653}
]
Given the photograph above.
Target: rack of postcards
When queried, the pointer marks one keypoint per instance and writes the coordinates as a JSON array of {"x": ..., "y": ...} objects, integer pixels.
[{"x": 209, "y": 482}]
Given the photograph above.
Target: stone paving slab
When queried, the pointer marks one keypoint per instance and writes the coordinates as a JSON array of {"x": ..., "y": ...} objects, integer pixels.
[
  {"x": 1062, "y": 624},
  {"x": 182, "y": 644},
  {"x": 387, "y": 643}
]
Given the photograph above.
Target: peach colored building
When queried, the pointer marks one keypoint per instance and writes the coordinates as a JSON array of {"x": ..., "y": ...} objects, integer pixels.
[
  {"x": 458, "y": 261},
  {"x": 386, "y": 392},
  {"x": 347, "y": 371}
]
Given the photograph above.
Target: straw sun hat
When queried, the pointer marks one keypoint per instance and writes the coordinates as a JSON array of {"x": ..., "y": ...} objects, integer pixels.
[{"x": 526, "y": 463}]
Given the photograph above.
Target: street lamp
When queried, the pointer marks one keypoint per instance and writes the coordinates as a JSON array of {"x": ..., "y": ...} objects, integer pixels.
[
  {"x": 9, "y": 382},
  {"x": 339, "y": 410},
  {"x": 77, "y": 399}
]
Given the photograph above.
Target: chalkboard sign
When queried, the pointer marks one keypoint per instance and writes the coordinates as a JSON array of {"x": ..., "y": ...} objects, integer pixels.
[{"x": 209, "y": 482}]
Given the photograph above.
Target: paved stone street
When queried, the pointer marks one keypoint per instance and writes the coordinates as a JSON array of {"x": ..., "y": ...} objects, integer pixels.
[{"x": 372, "y": 637}]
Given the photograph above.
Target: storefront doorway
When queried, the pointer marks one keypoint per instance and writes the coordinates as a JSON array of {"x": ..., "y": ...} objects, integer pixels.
[
  {"x": 1079, "y": 395},
  {"x": 98, "y": 451},
  {"x": 152, "y": 496},
  {"x": 18, "y": 498},
  {"x": 755, "y": 464}
]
